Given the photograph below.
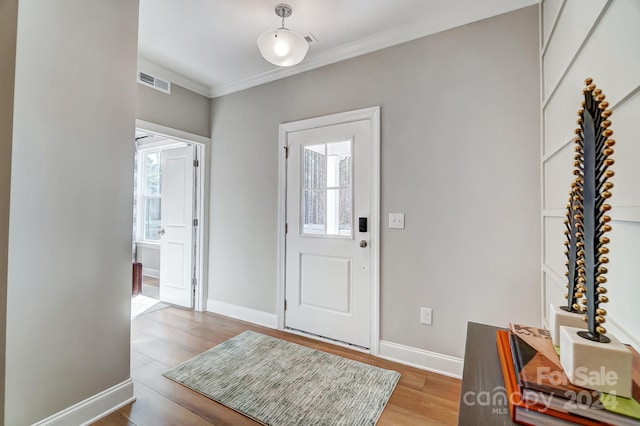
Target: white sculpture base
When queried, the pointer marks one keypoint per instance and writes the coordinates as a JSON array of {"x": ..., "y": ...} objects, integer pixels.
[
  {"x": 559, "y": 317},
  {"x": 604, "y": 367}
]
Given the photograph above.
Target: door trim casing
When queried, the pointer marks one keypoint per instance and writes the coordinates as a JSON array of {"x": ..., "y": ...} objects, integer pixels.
[
  {"x": 203, "y": 146},
  {"x": 372, "y": 115}
]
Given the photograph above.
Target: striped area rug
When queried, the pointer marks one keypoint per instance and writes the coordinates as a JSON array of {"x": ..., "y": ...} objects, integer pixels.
[{"x": 280, "y": 383}]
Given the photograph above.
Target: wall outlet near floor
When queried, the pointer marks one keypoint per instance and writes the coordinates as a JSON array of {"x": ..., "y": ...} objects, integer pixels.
[{"x": 426, "y": 316}]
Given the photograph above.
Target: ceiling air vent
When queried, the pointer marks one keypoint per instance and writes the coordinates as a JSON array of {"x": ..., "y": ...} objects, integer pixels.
[{"x": 154, "y": 82}]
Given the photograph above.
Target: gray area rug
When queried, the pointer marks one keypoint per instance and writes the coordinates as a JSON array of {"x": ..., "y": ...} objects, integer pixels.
[{"x": 281, "y": 383}]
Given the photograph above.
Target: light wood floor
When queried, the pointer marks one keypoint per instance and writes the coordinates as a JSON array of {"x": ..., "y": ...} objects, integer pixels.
[
  {"x": 146, "y": 279},
  {"x": 167, "y": 337}
]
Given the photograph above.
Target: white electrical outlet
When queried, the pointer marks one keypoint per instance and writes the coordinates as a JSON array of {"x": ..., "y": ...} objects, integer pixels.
[{"x": 426, "y": 316}]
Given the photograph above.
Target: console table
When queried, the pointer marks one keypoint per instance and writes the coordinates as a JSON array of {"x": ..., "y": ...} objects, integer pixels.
[{"x": 481, "y": 376}]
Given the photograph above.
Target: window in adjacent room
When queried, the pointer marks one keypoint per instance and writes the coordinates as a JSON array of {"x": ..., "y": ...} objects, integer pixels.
[{"x": 150, "y": 201}]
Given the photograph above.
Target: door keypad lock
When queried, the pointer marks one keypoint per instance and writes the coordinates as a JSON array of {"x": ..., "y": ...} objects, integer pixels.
[{"x": 362, "y": 224}]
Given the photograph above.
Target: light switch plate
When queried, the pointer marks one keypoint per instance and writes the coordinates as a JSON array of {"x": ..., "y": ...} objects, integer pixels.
[{"x": 396, "y": 220}]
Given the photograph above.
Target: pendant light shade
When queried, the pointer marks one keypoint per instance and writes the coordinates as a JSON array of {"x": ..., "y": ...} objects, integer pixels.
[{"x": 281, "y": 46}]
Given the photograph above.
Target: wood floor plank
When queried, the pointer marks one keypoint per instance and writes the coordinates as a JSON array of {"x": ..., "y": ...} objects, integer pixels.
[
  {"x": 139, "y": 359},
  {"x": 151, "y": 408},
  {"x": 171, "y": 317},
  {"x": 140, "y": 323},
  {"x": 115, "y": 419},
  {"x": 151, "y": 376},
  {"x": 209, "y": 331},
  {"x": 442, "y": 386},
  {"x": 167, "y": 337},
  {"x": 394, "y": 416},
  {"x": 412, "y": 380},
  {"x": 431, "y": 406},
  {"x": 180, "y": 339},
  {"x": 161, "y": 351}
]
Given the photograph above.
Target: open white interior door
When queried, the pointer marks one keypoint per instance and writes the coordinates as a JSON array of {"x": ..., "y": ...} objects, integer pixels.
[{"x": 176, "y": 242}]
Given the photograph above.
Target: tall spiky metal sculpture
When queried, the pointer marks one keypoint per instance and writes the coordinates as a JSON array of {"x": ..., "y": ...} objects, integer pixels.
[
  {"x": 575, "y": 288},
  {"x": 587, "y": 220}
]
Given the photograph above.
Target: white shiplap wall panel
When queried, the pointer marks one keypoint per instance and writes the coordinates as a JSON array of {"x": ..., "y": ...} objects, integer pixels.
[
  {"x": 625, "y": 122},
  {"x": 558, "y": 178},
  {"x": 610, "y": 54},
  {"x": 574, "y": 23},
  {"x": 554, "y": 291},
  {"x": 554, "y": 248},
  {"x": 550, "y": 11},
  {"x": 611, "y": 57},
  {"x": 560, "y": 114},
  {"x": 624, "y": 276}
]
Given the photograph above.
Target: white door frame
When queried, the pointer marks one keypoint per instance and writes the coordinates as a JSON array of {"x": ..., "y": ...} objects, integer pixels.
[
  {"x": 373, "y": 116},
  {"x": 202, "y": 145}
]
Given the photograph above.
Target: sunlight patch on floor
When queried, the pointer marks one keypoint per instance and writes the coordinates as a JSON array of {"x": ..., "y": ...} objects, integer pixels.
[{"x": 141, "y": 303}]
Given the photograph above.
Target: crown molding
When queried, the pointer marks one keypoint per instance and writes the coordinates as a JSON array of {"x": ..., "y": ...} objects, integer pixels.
[
  {"x": 154, "y": 69},
  {"x": 366, "y": 45}
]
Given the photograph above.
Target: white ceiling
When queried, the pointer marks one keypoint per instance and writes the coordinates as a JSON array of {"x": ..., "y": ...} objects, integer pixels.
[{"x": 209, "y": 46}]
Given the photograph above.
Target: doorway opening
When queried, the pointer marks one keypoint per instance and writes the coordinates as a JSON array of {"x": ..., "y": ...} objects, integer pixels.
[{"x": 167, "y": 230}]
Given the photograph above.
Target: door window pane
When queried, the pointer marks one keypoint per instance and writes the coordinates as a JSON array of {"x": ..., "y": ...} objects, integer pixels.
[
  {"x": 339, "y": 164},
  {"x": 314, "y": 166},
  {"x": 326, "y": 189},
  {"x": 314, "y": 211},
  {"x": 345, "y": 212}
]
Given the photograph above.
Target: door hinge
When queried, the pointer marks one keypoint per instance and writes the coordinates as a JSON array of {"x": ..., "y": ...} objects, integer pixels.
[
  {"x": 286, "y": 228},
  {"x": 195, "y": 222},
  {"x": 285, "y": 305},
  {"x": 196, "y": 163},
  {"x": 286, "y": 152},
  {"x": 194, "y": 281}
]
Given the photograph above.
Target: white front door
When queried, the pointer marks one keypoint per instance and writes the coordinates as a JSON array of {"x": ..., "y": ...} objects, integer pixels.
[
  {"x": 328, "y": 277},
  {"x": 176, "y": 241}
]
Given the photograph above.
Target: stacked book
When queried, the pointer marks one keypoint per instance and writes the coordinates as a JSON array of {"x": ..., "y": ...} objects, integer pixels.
[{"x": 539, "y": 392}]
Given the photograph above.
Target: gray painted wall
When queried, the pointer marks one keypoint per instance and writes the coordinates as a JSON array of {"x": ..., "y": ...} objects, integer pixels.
[
  {"x": 460, "y": 157},
  {"x": 150, "y": 259},
  {"x": 69, "y": 278},
  {"x": 8, "y": 33},
  {"x": 182, "y": 109}
]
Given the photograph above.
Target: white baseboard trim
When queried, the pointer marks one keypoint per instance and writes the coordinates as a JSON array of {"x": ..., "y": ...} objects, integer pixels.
[
  {"x": 242, "y": 313},
  {"x": 154, "y": 273},
  {"x": 424, "y": 360},
  {"x": 94, "y": 408}
]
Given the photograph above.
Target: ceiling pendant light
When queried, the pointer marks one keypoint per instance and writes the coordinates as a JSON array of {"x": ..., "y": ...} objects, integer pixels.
[{"x": 281, "y": 46}]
